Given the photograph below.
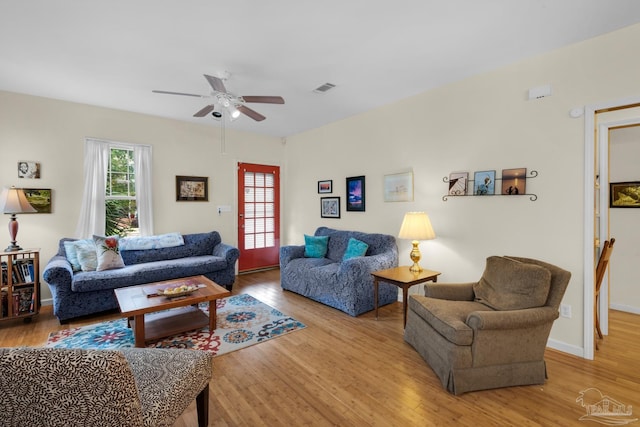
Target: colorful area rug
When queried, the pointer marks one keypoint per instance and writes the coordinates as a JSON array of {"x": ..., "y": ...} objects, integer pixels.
[{"x": 242, "y": 321}]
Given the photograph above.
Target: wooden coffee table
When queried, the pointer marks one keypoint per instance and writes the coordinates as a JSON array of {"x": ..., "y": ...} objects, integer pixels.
[{"x": 154, "y": 316}]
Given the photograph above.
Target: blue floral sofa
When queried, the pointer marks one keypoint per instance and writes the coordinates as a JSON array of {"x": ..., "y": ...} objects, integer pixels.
[
  {"x": 80, "y": 293},
  {"x": 343, "y": 284}
]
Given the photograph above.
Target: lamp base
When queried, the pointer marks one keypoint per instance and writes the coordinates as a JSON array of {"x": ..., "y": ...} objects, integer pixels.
[
  {"x": 415, "y": 257},
  {"x": 13, "y": 248}
]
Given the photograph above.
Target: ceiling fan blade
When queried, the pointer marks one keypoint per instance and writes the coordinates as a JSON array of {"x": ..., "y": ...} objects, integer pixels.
[
  {"x": 177, "y": 93},
  {"x": 216, "y": 83},
  {"x": 251, "y": 113},
  {"x": 264, "y": 99},
  {"x": 206, "y": 110}
]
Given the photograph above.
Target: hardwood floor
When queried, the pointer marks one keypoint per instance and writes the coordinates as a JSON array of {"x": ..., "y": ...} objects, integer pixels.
[{"x": 345, "y": 371}]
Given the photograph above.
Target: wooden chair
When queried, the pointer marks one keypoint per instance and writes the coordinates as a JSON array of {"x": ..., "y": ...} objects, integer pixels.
[{"x": 601, "y": 268}]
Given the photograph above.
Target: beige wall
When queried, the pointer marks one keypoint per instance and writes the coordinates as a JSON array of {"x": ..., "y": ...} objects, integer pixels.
[
  {"x": 52, "y": 132},
  {"x": 481, "y": 123}
]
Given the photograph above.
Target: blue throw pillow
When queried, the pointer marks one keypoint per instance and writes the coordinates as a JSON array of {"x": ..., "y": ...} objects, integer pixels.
[
  {"x": 315, "y": 246},
  {"x": 355, "y": 248}
]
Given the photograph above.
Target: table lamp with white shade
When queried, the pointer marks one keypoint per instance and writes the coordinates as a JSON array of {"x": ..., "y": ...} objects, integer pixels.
[
  {"x": 416, "y": 226},
  {"x": 13, "y": 201}
]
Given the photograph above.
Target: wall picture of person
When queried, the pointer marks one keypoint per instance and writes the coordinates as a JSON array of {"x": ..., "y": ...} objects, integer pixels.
[{"x": 27, "y": 169}]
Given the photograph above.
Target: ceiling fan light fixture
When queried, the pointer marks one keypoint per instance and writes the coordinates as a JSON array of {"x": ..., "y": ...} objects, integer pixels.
[{"x": 234, "y": 112}]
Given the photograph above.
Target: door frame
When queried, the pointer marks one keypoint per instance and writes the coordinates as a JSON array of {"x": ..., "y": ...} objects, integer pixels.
[{"x": 603, "y": 208}]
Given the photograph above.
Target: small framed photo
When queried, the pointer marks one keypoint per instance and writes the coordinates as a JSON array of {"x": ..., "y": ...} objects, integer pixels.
[
  {"x": 484, "y": 183},
  {"x": 325, "y": 186},
  {"x": 458, "y": 183},
  {"x": 398, "y": 187},
  {"x": 624, "y": 194},
  {"x": 355, "y": 194},
  {"x": 192, "y": 188},
  {"x": 27, "y": 169},
  {"x": 330, "y": 207},
  {"x": 514, "y": 181},
  {"x": 39, "y": 198}
]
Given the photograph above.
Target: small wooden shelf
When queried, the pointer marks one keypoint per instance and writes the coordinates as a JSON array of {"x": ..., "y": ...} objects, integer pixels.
[
  {"x": 20, "y": 284},
  {"x": 533, "y": 197}
]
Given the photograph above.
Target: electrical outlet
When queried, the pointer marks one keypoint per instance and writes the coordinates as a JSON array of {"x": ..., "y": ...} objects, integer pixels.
[{"x": 565, "y": 310}]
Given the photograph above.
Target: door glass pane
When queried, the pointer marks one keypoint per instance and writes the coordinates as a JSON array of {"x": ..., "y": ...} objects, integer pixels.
[
  {"x": 259, "y": 194},
  {"x": 268, "y": 196},
  {"x": 259, "y": 210},
  {"x": 259, "y": 180},
  {"x": 248, "y": 179},
  {"x": 269, "y": 180},
  {"x": 249, "y": 226},
  {"x": 268, "y": 209},
  {"x": 259, "y": 225},
  {"x": 249, "y": 210},
  {"x": 269, "y": 225},
  {"x": 249, "y": 241},
  {"x": 259, "y": 241},
  {"x": 249, "y": 194}
]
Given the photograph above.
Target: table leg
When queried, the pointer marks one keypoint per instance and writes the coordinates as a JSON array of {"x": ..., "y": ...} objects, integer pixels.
[
  {"x": 375, "y": 295},
  {"x": 405, "y": 296},
  {"x": 212, "y": 315},
  {"x": 138, "y": 332}
]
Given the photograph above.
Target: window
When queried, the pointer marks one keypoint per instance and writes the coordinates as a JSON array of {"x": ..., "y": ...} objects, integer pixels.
[
  {"x": 120, "y": 196},
  {"x": 117, "y": 189}
]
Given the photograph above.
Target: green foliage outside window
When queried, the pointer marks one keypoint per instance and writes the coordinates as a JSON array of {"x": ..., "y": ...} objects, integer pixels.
[{"x": 121, "y": 218}]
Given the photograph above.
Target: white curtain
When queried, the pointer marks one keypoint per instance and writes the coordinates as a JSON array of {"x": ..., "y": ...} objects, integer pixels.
[
  {"x": 144, "y": 200},
  {"x": 92, "y": 213}
]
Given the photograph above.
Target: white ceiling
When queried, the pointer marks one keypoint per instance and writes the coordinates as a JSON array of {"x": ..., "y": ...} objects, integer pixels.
[{"x": 113, "y": 53}]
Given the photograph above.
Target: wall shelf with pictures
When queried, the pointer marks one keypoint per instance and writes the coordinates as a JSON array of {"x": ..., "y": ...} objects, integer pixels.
[{"x": 512, "y": 183}]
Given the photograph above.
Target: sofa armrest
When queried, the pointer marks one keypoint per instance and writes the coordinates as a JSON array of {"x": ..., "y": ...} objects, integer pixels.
[
  {"x": 230, "y": 253},
  {"x": 366, "y": 264},
  {"x": 58, "y": 272},
  {"x": 288, "y": 253},
  {"x": 450, "y": 291},
  {"x": 511, "y": 319}
]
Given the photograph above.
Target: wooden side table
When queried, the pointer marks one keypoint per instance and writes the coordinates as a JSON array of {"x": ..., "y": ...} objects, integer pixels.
[{"x": 402, "y": 278}]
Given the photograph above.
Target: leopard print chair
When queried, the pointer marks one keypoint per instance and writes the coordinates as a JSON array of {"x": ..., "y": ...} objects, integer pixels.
[{"x": 128, "y": 387}]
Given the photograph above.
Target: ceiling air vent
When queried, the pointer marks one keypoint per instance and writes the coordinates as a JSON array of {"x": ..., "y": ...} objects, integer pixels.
[{"x": 324, "y": 88}]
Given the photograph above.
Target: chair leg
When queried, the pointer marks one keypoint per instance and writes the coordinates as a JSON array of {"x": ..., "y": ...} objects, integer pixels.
[{"x": 202, "y": 406}]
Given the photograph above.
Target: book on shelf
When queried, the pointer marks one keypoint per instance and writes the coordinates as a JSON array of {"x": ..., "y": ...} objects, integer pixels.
[
  {"x": 23, "y": 300},
  {"x": 23, "y": 271}
]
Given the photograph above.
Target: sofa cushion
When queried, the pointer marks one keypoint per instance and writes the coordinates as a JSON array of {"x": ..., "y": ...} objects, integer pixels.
[
  {"x": 447, "y": 317},
  {"x": 339, "y": 240},
  {"x": 108, "y": 251},
  {"x": 150, "y": 272},
  {"x": 355, "y": 248},
  {"x": 315, "y": 246},
  {"x": 508, "y": 284},
  {"x": 197, "y": 244}
]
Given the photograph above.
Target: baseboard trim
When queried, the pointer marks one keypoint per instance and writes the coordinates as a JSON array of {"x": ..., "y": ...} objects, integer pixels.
[
  {"x": 625, "y": 308},
  {"x": 565, "y": 348}
]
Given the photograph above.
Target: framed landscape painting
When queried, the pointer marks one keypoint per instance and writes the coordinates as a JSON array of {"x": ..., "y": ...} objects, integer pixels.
[
  {"x": 514, "y": 181},
  {"x": 39, "y": 198},
  {"x": 484, "y": 183},
  {"x": 355, "y": 194},
  {"x": 624, "y": 194},
  {"x": 325, "y": 186},
  {"x": 398, "y": 187}
]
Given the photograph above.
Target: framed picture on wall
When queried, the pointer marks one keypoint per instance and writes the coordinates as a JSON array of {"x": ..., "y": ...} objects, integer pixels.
[
  {"x": 398, "y": 187},
  {"x": 624, "y": 194},
  {"x": 355, "y": 194},
  {"x": 325, "y": 186},
  {"x": 484, "y": 183},
  {"x": 330, "y": 207},
  {"x": 192, "y": 188},
  {"x": 28, "y": 169},
  {"x": 458, "y": 183},
  {"x": 514, "y": 181},
  {"x": 39, "y": 198}
]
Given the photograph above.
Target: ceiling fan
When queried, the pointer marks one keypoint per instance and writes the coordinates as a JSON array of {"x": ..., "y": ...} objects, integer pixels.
[{"x": 234, "y": 104}]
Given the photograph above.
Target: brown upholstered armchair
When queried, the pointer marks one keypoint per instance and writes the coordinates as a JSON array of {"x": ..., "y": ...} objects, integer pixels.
[
  {"x": 491, "y": 333},
  {"x": 122, "y": 388}
]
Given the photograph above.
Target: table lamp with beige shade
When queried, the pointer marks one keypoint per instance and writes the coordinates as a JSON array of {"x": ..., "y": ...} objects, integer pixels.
[
  {"x": 416, "y": 226},
  {"x": 13, "y": 201}
]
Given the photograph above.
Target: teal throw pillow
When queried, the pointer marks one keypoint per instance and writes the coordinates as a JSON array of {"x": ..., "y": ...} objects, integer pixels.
[
  {"x": 315, "y": 246},
  {"x": 72, "y": 255},
  {"x": 355, "y": 248}
]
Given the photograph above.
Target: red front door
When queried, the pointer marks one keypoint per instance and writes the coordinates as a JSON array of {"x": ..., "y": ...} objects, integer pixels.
[{"x": 258, "y": 216}]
